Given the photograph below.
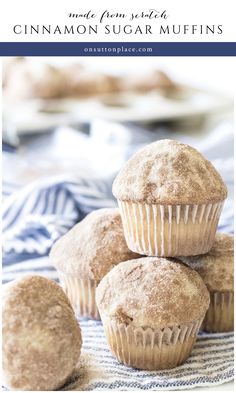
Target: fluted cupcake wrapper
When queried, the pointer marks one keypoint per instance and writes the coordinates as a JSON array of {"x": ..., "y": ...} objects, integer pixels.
[
  {"x": 220, "y": 315},
  {"x": 81, "y": 293},
  {"x": 151, "y": 349},
  {"x": 169, "y": 230}
]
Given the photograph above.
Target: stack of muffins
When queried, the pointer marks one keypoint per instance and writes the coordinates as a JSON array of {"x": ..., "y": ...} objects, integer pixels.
[{"x": 154, "y": 270}]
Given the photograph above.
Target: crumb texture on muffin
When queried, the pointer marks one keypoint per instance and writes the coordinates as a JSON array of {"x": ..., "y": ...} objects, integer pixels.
[
  {"x": 169, "y": 172},
  {"x": 41, "y": 337},
  {"x": 93, "y": 246},
  {"x": 152, "y": 292},
  {"x": 217, "y": 266}
]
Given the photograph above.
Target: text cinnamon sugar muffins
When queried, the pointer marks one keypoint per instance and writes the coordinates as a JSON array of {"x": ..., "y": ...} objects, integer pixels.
[{"x": 170, "y": 199}]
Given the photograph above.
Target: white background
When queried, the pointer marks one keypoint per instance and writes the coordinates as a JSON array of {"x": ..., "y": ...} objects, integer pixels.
[{"x": 55, "y": 12}]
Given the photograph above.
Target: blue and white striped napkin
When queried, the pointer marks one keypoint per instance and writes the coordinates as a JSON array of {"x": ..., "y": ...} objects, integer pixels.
[
  {"x": 37, "y": 215},
  {"x": 211, "y": 363}
]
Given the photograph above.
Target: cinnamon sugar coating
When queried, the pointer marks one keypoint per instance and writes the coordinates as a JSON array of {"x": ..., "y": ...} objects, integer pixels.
[
  {"x": 93, "y": 246},
  {"x": 41, "y": 337},
  {"x": 217, "y": 266},
  {"x": 169, "y": 172},
  {"x": 152, "y": 292}
]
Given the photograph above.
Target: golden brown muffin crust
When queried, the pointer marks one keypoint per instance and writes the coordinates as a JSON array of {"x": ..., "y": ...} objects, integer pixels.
[
  {"x": 217, "y": 266},
  {"x": 152, "y": 292},
  {"x": 41, "y": 337},
  {"x": 169, "y": 172},
  {"x": 93, "y": 246}
]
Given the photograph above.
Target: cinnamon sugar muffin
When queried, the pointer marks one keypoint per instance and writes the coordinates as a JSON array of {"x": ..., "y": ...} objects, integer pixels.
[
  {"x": 151, "y": 310},
  {"x": 84, "y": 82},
  {"x": 170, "y": 199},
  {"x": 28, "y": 80},
  {"x": 24, "y": 79},
  {"x": 86, "y": 254},
  {"x": 155, "y": 80},
  {"x": 217, "y": 271},
  {"x": 41, "y": 337}
]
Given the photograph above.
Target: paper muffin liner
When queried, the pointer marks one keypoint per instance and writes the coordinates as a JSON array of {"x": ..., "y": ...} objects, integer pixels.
[
  {"x": 220, "y": 315},
  {"x": 170, "y": 230},
  {"x": 151, "y": 349},
  {"x": 81, "y": 294}
]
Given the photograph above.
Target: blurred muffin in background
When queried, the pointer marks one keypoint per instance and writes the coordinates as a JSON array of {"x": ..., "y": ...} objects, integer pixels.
[
  {"x": 8, "y": 64},
  {"x": 152, "y": 81},
  {"x": 25, "y": 79},
  {"x": 82, "y": 82},
  {"x": 34, "y": 80}
]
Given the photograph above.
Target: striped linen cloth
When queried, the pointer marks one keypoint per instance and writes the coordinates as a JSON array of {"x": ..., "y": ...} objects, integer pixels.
[
  {"x": 211, "y": 363},
  {"x": 37, "y": 215}
]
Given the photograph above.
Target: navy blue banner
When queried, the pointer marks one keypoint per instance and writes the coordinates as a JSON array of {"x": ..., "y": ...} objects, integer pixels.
[{"x": 118, "y": 49}]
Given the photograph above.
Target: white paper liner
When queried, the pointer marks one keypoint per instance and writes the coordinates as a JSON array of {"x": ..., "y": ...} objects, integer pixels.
[
  {"x": 150, "y": 349},
  {"x": 220, "y": 315},
  {"x": 168, "y": 230},
  {"x": 81, "y": 294}
]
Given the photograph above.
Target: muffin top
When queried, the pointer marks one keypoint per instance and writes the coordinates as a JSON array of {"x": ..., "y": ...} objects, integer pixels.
[
  {"x": 93, "y": 246},
  {"x": 40, "y": 335},
  {"x": 169, "y": 172},
  {"x": 152, "y": 292},
  {"x": 143, "y": 82},
  {"x": 217, "y": 266},
  {"x": 34, "y": 79}
]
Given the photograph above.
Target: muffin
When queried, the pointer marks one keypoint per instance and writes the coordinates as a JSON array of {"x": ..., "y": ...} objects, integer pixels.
[
  {"x": 86, "y": 253},
  {"x": 156, "y": 80},
  {"x": 41, "y": 337},
  {"x": 152, "y": 309},
  {"x": 29, "y": 79},
  {"x": 84, "y": 82},
  {"x": 217, "y": 271},
  {"x": 170, "y": 198}
]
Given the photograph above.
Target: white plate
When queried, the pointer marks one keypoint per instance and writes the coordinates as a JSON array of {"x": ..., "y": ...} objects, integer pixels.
[
  {"x": 40, "y": 116},
  {"x": 152, "y": 106}
]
